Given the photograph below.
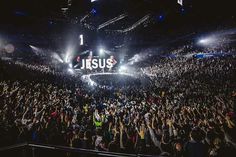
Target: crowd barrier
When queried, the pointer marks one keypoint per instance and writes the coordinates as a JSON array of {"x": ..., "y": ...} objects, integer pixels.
[{"x": 42, "y": 150}]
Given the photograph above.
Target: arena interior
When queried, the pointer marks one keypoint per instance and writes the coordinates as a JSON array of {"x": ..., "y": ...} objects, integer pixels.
[{"x": 130, "y": 78}]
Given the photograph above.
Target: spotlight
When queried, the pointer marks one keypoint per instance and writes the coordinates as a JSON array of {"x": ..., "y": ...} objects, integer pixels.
[
  {"x": 207, "y": 41},
  {"x": 68, "y": 55},
  {"x": 70, "y": 65},
  {"x": 57, "y": 57},
  {"x": 160, "y": 18},
  {"x": 92, "y": 83},
  {"x": 94, "y": 11},
  {"x": 101, "y": 51},
  {"x": 203, "y": 41},
  {"x": 34, "y": 48},
  {"x": 122, "y": 68},
  {"x": 37, "y": 51},
  {"x": 136, "y": 58}
]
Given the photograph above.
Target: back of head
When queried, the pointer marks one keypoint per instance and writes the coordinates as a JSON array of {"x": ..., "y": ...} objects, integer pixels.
[{"x": 196, "y": 135}]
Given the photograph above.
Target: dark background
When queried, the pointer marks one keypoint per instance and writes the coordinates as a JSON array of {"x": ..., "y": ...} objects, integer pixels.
[{"x": 42, "y": 22}]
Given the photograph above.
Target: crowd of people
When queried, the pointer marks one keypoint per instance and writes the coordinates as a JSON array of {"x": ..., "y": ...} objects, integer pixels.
[{"x": 186, "y": 110}]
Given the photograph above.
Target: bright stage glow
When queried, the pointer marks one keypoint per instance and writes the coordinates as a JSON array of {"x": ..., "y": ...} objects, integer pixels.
[
  {"x": 138, "y": 58},
  {"x": 208, "y": 41},
  {"x": 70, "y": 65},
  {"x": 87, "y": 78},
  {"x": 204, "y": 41},
  {"x": 123, "y": 68},
  {"x": 217, "y": 38},
  {"x": 68, "y": 55},
  {"x": 57, "y": 57},
  {"x": 34, "y": 48},
  {"x": 66, "y": 58},
  {"x": 71, "y": 71},
  {"x": 92, "y": 83},
  {"x": 101, "y": 51}
]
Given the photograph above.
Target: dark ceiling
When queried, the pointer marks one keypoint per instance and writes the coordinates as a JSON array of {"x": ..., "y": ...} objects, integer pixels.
[{"x": 43, "y": 21}]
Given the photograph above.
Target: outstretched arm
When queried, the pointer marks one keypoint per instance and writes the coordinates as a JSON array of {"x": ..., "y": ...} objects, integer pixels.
[{"x": 121, "y": 136}]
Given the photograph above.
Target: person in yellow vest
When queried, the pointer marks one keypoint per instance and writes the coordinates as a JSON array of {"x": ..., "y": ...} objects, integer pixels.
[{"x": 97, "y": 119}]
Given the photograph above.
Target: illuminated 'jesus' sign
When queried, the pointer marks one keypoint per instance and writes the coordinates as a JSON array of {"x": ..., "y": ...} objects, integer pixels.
[{"x": 97, "y": 63}]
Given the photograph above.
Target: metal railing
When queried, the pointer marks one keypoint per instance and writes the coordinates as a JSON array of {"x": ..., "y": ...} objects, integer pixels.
[{"x": 42, "y": 150}]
